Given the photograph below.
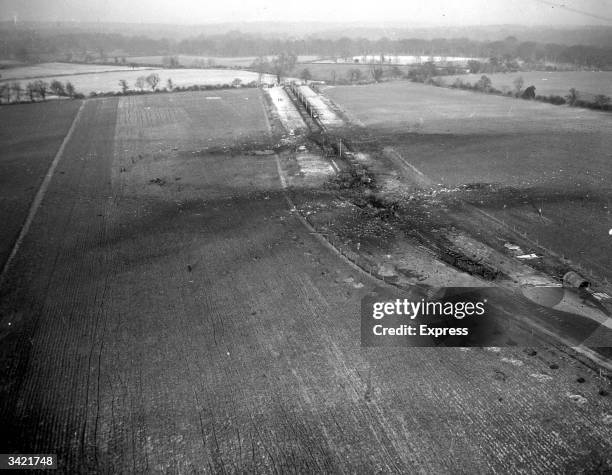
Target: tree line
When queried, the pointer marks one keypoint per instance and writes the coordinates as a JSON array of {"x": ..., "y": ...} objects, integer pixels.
[
  {"x": 28, "y": 45},
  {"x": 14, "y": 92},
  {"x": 484, "y": 85}
]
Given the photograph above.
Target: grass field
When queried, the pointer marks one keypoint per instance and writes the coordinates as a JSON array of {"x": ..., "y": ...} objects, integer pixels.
[
  {"x": 337, "y": 71},
  {"x": 528, "y": 155},
  {"x": 587, "y": 83},
  {"x": 108, "y": 81},
  {"x": 45, "y": 70},
  {"x": 194, "y": 60}
]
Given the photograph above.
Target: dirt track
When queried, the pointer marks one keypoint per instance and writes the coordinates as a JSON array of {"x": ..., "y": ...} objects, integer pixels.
[{"x": 195, "y": 324}]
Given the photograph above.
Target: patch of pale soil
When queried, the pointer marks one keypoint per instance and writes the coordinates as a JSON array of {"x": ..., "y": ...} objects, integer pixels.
[
  {"x": 313, "y": 165},
  {"x": 287, "y": 112}
]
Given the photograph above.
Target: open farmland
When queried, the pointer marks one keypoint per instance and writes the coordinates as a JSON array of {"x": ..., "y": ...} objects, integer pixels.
[
  {"x": 30, "y": 137},
  {"x": 331, "y": 72},
  {"x": 541, "y": 169},
  {"x": 587, "y": 83},
  {"x": 169, "y": 312},
  {"x": 193, "y": 60},
  {"x": 45, "y": 70},
  {"x": 109, "y": 81}
]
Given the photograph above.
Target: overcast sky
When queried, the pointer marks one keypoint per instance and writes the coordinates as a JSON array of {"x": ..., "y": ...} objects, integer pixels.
[{"x": 414, "y": 12}]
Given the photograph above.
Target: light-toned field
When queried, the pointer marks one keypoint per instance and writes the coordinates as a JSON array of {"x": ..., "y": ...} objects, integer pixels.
[
  {"x": 109, "y": 81},
  {"x": 410, "y": 60},
  {"x": 587, "y": 83},
  {"x": 45, "y": 70},
  {"x": 537, "y": 156},
  {"x": 195, "y": 60}
]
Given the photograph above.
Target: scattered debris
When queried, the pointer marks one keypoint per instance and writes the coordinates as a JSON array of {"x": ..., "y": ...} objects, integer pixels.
[
  {"x": 542, "y": 378},
  {"x": 499, "y": 375},
  {"x": 577, "y": 398},
  {"x": 601, "y": 296},
  {"x": 528, "y": 256},
  {"x": 512, "y": 361},
  {"x": 573, "y": 279},
  {"x": 158, "y": 181}
]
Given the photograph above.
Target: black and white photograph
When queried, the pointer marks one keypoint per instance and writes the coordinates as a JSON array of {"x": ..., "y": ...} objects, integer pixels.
[{"x": 327, "y": 237}]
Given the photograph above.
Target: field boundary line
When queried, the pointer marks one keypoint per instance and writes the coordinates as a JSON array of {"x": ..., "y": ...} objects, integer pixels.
[{"x": 40, "y": 194}]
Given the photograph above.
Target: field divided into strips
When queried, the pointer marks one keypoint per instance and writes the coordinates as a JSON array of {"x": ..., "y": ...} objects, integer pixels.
[
  {"x": 159, "y": 136},
  {"x": 30, "y": 136},
  {"x": 537, "y": 156},
  {"x": 191, "y": 323}
]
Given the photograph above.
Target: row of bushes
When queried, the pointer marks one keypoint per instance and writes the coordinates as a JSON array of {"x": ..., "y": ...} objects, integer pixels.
[
  {"x": 484, "y": 85},
  {"x": 201, "y": 87}
]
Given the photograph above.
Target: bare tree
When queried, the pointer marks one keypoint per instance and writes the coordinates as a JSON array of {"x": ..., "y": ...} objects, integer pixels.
[
  {"x": 57, "y": 88},
  {"x": 70, "y": 89},
  {"x": 518, "y": 85},
  {"x": 41, "y": 88},
  {"x": 601, "y": 101},
  {"x": 572, "y": 97},
  {"x": 376, "y": 71},
  {"x": 484, "y": 83},
  {"x": 17, "y": 90},
  {"x": 283, "y": 64},
  {"x": 31, "y": 90},
  {"x": 153, "y": 80},
  {"x": 260, "y": 65},
  {"x": 4, "y": 88},
  {"x": 305, "y": 74},
  {"x": 140, "y": 82},
  {"x": 124, "y": 85}
]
